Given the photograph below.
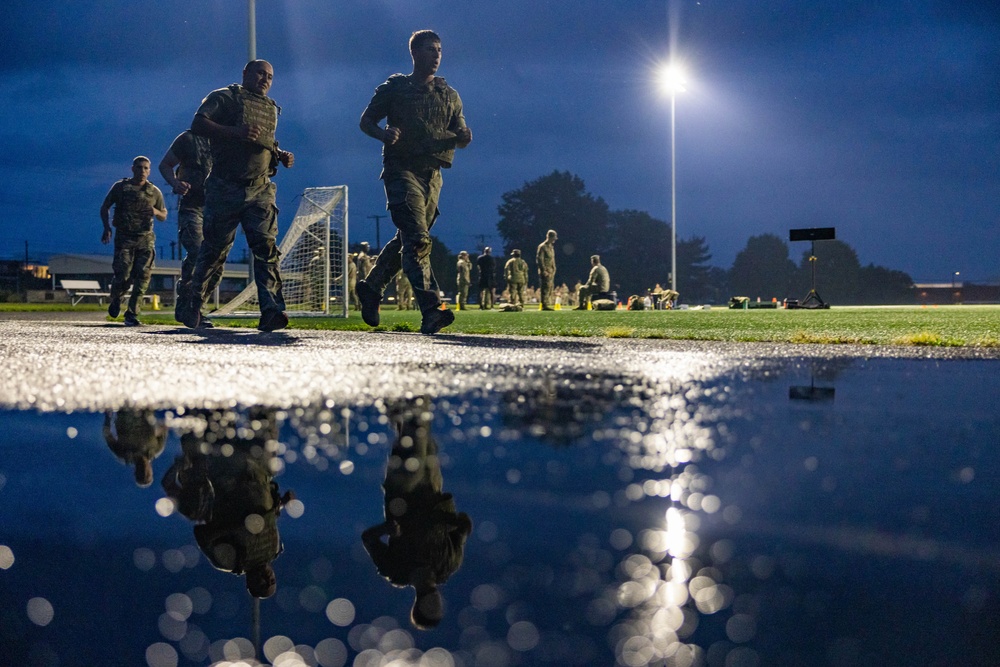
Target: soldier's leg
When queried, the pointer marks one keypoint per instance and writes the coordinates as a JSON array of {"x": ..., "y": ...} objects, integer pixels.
[
  {"x": 260, "y": 224},
  {"x": 413, "y": 205},
  {"x": 122, "y": 267},
  {"x": 463, "y": 296},
  {"x": 142, "y": 270},
  {"x": 219, "y": 233},
  {"x": 189, "y": 225}
]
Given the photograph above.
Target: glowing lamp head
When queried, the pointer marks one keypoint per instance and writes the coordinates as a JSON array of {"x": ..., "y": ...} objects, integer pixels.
[{"x": 671, "y": 79}]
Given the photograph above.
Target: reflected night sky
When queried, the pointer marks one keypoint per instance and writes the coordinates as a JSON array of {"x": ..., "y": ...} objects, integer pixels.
[{"x": 583, "y": 521}]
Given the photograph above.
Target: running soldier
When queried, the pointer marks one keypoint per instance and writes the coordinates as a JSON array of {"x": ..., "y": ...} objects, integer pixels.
[
  {"x": 545, "y": 257},
  {"x": 463, "y": 278},
  {"x": 184, "y": 167},
  {"x": 136, "y": 202},
  {"x": 424, "y": 127},
  {"x": 240, "y": 121},
  {"x": 515, "y": 273}
]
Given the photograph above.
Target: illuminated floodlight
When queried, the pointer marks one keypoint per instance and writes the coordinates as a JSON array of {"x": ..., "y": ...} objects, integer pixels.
[{"x": 672, "y": 79}]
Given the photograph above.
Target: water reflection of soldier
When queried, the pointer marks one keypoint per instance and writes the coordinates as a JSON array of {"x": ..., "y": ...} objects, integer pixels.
[
  {"x": 137, "y": 439},
  {"x": 425, "y": 534},
  {"x": 224, "y": 483}
]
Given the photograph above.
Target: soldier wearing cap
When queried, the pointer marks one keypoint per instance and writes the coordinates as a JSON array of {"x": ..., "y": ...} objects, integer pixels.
[
  {"x": 545, "y": 258},
  {"x": 424, "y": 126},
  {"x": 241, "y": 120},
  {"x": 137, "y": 202},
  {"x": 463, "y": 278},
  {"x": 598, "y": 282},
  {"x": 515, "y": 273}
]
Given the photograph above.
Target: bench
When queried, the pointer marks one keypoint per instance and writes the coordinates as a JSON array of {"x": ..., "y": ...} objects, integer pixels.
[{"x": 79, "y": 290}]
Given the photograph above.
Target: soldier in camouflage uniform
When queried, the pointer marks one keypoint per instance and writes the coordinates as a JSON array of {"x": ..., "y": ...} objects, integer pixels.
[
  {"x": 184, "y": 167},
  {"x": 352, "y": 279},
  {"x": 365, "y": 261},
  {"x": 424, "y": 126},
  {"x": 404, "y": 292},
  {"x": 598, "y": 282},
  {"x": 463, "y": 278},
  {"x": 240, "y": 121},
  {"x": 515, "y": 273},
  {"x": 136, "y": 202},
  {"x": 545, "y": 257}
]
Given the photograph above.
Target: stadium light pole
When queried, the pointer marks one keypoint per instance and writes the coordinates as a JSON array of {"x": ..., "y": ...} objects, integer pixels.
[
  {"x": 672, "y": 82},
  {"x": 251, "y": 30}
]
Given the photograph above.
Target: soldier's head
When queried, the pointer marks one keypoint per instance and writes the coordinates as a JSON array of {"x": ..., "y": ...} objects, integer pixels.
[
  {"x": 515, "y": 253},
  {"x": 425, "y": 49},
  {"x": 261, "y": 582},
  {"x": 487, "y": 250},
  {"x": 257, "y": 76},
  {"x": 595, "y": 259},
  {"x": 463, "y": 254},
  {"x": 140, "y": 168},
  {"x": 365, "y": 246},
  {"x": 550, "y": 235}
]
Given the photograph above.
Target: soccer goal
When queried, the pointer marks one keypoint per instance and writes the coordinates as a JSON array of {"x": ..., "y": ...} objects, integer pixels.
[{"x": 313, "y": 259}]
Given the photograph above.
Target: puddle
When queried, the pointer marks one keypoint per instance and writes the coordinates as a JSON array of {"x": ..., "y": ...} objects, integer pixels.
[{"x": 794, "y": 512}]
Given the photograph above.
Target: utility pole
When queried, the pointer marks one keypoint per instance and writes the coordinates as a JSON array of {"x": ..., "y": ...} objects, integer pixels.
[
  {"x": 378, "y": 235},
  {"x": 173, "y": 247},
  {"x": 251, "y": 30}
]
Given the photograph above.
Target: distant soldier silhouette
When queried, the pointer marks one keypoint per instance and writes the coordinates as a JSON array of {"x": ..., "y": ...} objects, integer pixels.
[
  {"x": 545, "y": 257},
  {"x": 463, "y": 278},
  {"x": 487, "y": 266}
]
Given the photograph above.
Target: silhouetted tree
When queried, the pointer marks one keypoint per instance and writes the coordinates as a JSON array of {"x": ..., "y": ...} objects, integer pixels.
[
  {"x": 763, "y": 268},
  {"x": 694, "y": 275},
  {"x": 639, "y": 252},
  {"x": 561, "y": 202},
  {"x": 880, "y": 285},
  {"x": 443, "y": 264}
]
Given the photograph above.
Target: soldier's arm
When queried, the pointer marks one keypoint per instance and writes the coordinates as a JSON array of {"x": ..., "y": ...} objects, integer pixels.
[
  {"x": 463, "y": 135},
  {"x": 167, "y": 170},
  {"x": 373, "y": 115},
  {"x": 159, "y": 207},
  {"x": 110, "y": 199}
]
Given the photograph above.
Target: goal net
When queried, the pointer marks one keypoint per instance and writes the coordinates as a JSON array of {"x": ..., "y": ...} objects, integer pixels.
[{"x": 313, "y": 259}]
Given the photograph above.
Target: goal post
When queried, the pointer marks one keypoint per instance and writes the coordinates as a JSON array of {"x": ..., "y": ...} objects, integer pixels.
[{"x": 313, "y": 260}]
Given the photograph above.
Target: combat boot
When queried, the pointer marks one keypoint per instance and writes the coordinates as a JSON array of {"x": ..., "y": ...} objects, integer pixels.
[
  {"x": 369, "y": 300},
  {"x": 273, "y": 320},
  {"x": 435, "y": 320},
  {"x": 115, "y": 307},
  {"x": 131, "y": 320}
]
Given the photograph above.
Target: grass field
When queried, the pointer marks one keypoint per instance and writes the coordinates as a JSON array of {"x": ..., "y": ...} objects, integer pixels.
[{"x": 948, "y": 326}]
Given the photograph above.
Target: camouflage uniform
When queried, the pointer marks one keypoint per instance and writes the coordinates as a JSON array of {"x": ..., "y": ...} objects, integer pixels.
[
  {"x": 404, "y": 292},
  {"x": 239, "y": 192},
  {"x": 464, "y": 279},
  {"x": 352, "y": 280},
  {"x": 365, "y": 264},
  {"x": 428, "y": 115},
  {"x": 515, "y": 273},
  {"x": 137, "y": 438},
  {"x": 194, "y": 163},
  {"x": 545, "y": 257},
  {"x": 597, "y": 282},
  {"x": 134, "y": 238}
]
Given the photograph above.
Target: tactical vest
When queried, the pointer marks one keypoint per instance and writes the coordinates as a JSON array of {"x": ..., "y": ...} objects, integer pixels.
[
  {"x": 260, "y": 111},
  {"x": 423, "y": 114},
  {"x": 195, "y": 171},
  {"x": 133, "y": 210}
]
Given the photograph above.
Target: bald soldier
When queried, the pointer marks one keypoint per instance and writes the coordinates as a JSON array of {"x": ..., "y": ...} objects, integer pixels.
[
  {"x": 545, "y": 257},
  {"x": 240, "y": 121},
  {"x": 136, "y": 202},
  {"x": 424, "y": 126},
  {"x": 515, "y": 273},
  {"x": 598, "y": 282}
]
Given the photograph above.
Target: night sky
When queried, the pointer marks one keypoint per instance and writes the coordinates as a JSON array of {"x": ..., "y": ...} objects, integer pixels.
[{"x": 881, "y": 119}]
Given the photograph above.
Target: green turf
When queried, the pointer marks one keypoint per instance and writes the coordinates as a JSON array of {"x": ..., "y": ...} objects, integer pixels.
[{"x": 960, "y": 326}]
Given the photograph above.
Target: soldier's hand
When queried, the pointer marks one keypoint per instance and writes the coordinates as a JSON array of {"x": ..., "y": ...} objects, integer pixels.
[
  {"x": 106, "y": 237},
  {"x": 391, "y": 135},
  {"x": 286, "y": 158},
  {"x": 181, "y": 187},
  {"x": 464, "y": 137},
  {"x": 248, "y": 132}
]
